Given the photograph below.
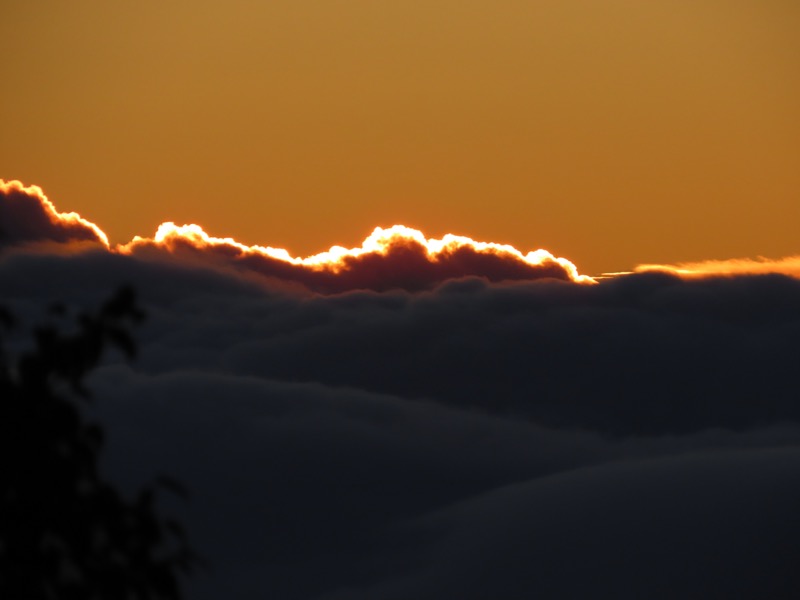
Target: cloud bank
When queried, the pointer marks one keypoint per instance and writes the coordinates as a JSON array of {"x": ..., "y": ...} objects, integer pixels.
[
  {"x": 466, "y": 438},
  {"x": 397, "y": 257}
]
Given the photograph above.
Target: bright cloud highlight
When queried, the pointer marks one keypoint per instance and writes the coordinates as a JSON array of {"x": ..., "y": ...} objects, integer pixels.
[{"x": 396, "y": 257}]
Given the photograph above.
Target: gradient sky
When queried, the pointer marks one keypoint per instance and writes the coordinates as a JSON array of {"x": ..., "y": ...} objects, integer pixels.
[{"x": 612, "y": 133}]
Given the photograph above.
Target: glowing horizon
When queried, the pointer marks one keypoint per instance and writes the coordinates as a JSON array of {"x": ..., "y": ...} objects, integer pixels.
[
  {"x": 612, "y": 133},
  {"x": 441, "y": 258},
  {"x": 379, "y": 241},
  {"x": 398, "y": 247},
  {"x": 788, "y": 265}
]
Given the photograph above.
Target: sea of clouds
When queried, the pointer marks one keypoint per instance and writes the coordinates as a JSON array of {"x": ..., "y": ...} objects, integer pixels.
[{"x": 472, "y": 438}]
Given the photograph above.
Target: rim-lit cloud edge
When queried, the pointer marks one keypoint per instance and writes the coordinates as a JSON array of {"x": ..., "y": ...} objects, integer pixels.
[
  {"x": 396, "y": 257},
  {"x": 28, "y": 217},
  {"x": 789, "y": 265}
]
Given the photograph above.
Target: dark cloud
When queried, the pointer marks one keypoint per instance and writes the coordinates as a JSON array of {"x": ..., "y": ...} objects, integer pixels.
[
  {"x": 689, "y": 526},
  {"x": 381, "y": 497},
  {"x": 26, "y": 215},
  {"x": 471, "y": 439},
  {"x": 394, "y": 258},
  {"x": 639, "y": 355}
]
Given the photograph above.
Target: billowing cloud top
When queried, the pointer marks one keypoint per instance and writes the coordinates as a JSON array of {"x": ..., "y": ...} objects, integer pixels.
[
  {"x": 394, "y": 258},
  {"x": 26, "y": 215}
]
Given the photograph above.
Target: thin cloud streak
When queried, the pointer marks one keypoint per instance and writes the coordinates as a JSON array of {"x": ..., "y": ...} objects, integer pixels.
[{"x": 789, "y": 266}]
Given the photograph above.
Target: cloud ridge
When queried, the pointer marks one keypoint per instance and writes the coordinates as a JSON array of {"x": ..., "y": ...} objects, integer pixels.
[{"x": 27, "y": 216}]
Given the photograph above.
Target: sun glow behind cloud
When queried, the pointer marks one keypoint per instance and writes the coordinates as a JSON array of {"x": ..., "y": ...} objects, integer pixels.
[
  {"x": 396, "y": 257},
  {"x": 337, "y": 259},
  {"x": 789, "y": 265},
  {"x": 27, "y": 215},
  {"x": 389, "y": 258}
]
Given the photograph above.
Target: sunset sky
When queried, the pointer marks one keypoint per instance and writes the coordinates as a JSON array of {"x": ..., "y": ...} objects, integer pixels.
[
  {"x": 460, "y": 407},
  {"x": 612, "y": 133}
]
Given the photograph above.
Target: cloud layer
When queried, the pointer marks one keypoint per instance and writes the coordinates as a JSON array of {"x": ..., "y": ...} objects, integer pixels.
[
  {"x": 26, "y": 215},
  {"x": 467, "y": 437},
  {"x": 394, "y": 258}
]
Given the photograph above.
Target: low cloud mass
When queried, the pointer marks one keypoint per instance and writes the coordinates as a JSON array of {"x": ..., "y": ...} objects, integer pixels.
[
  {"x": 474, "y": 425},
  {"x": 27, "y": 216},
  {"x": 395, "y": 258}
]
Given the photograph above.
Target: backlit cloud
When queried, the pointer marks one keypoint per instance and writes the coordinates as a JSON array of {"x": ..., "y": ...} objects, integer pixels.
[
  {"x": 395, "y": 258},
  {"x": 789, "y": 265},
  {"x": 26, "y": 215}
]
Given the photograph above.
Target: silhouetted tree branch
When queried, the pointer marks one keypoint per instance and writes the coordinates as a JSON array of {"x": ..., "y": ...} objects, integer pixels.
[{"x": 64, "y": 531}]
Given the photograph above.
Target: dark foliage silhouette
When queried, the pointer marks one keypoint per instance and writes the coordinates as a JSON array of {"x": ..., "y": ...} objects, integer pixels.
[{"x": 65, "y": 532}]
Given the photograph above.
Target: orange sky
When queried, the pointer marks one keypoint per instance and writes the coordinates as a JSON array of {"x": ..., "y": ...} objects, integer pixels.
[{"x": 609, "y": 132}]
